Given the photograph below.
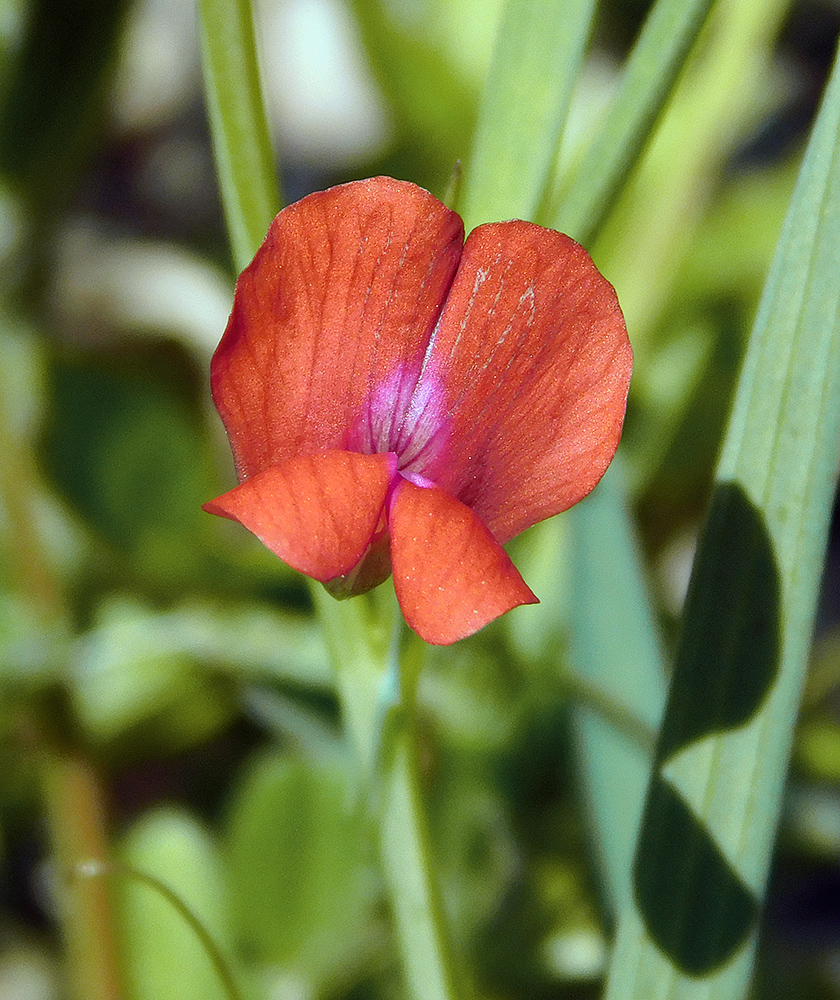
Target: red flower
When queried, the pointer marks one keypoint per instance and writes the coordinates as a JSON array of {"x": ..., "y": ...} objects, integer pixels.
[{"x": 396, "y": 399}]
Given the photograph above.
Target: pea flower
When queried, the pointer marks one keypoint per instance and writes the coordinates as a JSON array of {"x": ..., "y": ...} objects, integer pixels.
[{"x": 399, "y": 401}]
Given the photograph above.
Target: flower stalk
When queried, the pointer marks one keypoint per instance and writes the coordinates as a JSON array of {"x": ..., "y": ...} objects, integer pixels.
[
  {"x": 418, "y": 914},
  {"x": 384, "y": 736}
]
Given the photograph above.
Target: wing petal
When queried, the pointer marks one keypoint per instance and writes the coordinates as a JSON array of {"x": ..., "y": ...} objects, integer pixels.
[
  {"x": 451, "y": 576},
  {"x": 318, "y": 513}
]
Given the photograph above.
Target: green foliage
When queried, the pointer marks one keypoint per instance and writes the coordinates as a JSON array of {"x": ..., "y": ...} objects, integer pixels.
[
  {"x": 466, "y": 824},
  {"x": 54, "y": 93},
  {"x": 241, "y": 142},
  {"x": 712, "y": 809},
  {"x": 313, "y": 911},
  {"x": 163, "y": 956},
  {"x": 128, "y": 453},
  {"x": 434, "y": 99},
  {"x": 524, "y": 109}
]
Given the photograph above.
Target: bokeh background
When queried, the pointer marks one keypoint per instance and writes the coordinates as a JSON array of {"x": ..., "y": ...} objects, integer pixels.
[{"x": 182, "y": 659}]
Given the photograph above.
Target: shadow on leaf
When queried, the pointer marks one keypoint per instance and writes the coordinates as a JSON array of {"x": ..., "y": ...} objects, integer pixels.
[
  {"x": 694, "y": 904},
  {"x": 728, "y": 658}
]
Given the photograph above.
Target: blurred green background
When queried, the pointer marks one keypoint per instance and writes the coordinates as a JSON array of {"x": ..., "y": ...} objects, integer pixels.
[{"x": 182, "y": 659}]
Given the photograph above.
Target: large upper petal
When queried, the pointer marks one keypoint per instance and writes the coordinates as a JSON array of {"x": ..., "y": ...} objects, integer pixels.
[
  {"x": 451, "y": 576},
  {"x": 532, "y": 356},
  {"x": 318, "y": 513},
  {"x": 339, "y": 302}
]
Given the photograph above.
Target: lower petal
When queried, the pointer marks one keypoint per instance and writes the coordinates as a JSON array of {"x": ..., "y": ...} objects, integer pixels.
[
  {"x": 451, "y": 576},
  {"x": 318, "y": 513}
]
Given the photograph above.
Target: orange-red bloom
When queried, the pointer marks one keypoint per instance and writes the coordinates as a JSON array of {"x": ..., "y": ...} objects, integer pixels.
[{"x": 398, "y": 400}]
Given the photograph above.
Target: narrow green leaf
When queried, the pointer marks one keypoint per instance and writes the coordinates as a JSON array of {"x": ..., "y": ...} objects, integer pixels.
[
  {"x": 720, "y": 98},
  {"x": 656, "y": 59},
  {"x": 614, "y": 651},
  {"x": 614, "y": 770},
  {"x": 712, "y": 811},
  {"x": 241, "y": 142},
  {"x": 538, "y": 53},
  {"x": 433, "y": 98}
]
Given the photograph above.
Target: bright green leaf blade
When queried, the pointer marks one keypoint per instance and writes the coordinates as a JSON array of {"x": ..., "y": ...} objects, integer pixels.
[
  {"x": 618, "y": 663},
  {"x": 712, "y": 811},
  {"x": 241, "y": 141},
  {"x": 629, "y": 679},
  {"x": 656, "y": 59},
  {"x": 306, "y": 887},
  {"x": 164, "y": 957},
  {"x": 538, "y": 54}
]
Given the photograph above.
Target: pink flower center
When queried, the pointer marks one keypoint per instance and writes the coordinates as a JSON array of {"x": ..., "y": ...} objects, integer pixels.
[{"x": 405, "y": 415}]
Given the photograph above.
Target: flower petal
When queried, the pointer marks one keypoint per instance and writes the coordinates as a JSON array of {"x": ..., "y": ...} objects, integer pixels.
[
  {"x": 533, "y": 355},
  {"x": 318, "y": 513},
  {"x": 451, "y": 576},
  {"x": 340, "y": 300}
]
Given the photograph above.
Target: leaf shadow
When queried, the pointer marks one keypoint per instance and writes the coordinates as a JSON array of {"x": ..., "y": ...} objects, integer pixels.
[{"x": 694, "y": 904}]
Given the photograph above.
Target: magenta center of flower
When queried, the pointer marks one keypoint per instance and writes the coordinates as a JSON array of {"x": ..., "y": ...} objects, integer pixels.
[{"x": 408, "y": 417}]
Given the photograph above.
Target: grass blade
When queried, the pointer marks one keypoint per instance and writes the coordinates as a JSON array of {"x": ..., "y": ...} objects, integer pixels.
[
  {"x": 614, "y": 651},
  {"x": 523, "y": 113},
  {"x": 713, "y": 806},
  {"x": 241, "y": 142},
  {"x": 656, "y": 59}
]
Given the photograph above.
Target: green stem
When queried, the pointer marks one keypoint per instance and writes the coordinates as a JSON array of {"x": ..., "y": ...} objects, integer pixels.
[
  {"x": 73, "y": 796},
  {"x": 358, "y": 650},
  {"x": 359, "y": 644},
  {"x": 409, "y": 875},
  {"x": 241, "y": 141}
]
